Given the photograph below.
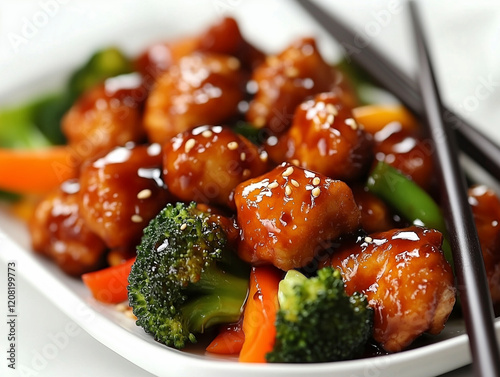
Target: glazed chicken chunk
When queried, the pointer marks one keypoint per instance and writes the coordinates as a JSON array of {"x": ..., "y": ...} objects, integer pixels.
[
  {"x": 486, "y": 210},
  {"x": 376, "y": 215},
  {"x": 59, "y": 232},
  {"x": 324, "y": 137},
  {"x": 207, "y": 163},
  {"x": 121, "y": 192},
  {"x": 283, "y": 81},
  {"x": 288, "y": 215},
  {"x": 199, "y": 89},
  {"x": 106, "y": 116},
  {"x": 407, "y": 151},
  {"x": 407, "y": 280},
  {"x": 223, "y": 37}
]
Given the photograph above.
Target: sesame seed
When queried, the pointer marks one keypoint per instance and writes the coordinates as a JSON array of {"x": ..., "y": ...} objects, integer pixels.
[
  {"x": 291, "y": 71},
  {"x": 273, "y": 185},
  {"x": 316, "y": 191},
  {"x": 189, "y": 145},
  {"x": 295, "y": 162},
  {"x": 144, "y": 194},
  {"x": 294, "y": 182},
  {"x": 233, "y": 63},
  {"x": 246, "y": 172},
  {"x": 232, "y": 145},
  {"x": 331, "y": 109},
  {"x": 183, "y": 226},
  {"x": 243, "y": 156},
  {"x": 316, "y": 181},
  {"x": 288, "y": 171},
  {"x": 136, "y": 219},
  {"x": 259, "y": 122},
  {"x": 330, "y": 118},
  {"x": 207, "y": 133},
  {"x": 351, "y": 123},
  {"x": 368, "y": 239},
  {"x": 288, "y": 190},
  {"x": 263, "y": 156}
]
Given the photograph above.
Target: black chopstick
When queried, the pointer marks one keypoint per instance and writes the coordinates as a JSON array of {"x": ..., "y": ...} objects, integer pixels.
[
  {"x": 466, "y": 250},
  {"x": 473, "y": 142}
]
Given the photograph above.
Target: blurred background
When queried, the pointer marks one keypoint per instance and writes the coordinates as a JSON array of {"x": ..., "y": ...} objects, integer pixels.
[{"x": 41, "y": 41}]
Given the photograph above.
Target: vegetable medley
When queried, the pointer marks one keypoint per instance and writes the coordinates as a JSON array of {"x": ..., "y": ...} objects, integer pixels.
[{"x": 251, "y": 198}]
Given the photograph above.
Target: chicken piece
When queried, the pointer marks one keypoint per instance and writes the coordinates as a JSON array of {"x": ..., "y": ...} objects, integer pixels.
[
  {"x": 485, "y": 206},
  {"x": 284, "y": 81},
  {"x": 221, "y": 38},
  {"x": 407, "y": 151},
  {"x": 59, "y": 232},
  {"x": 225, "y": 38},
  {"x": 207, "y": 163},
  {"x": 106, "y": 116},
  {"x": 406, "y": 279},
  {"x": 324, "y": 137},
  {"x": 376, "y": 216},
  {"x": 121, "y": 192},
  {"x": 289, "y": 215},
  {"x": 200, "y": 89}
]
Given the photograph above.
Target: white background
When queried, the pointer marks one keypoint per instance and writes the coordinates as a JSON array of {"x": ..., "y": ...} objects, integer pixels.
[{"x": 39, "y": 37}]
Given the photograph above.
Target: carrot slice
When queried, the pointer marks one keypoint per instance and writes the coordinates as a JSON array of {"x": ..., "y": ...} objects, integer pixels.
[
  {"x": 260, "y": 314},
  {"x": 110, "y": 284},
  {"x": 376, "y": 117},
  {"x": 229, "y": 340},
  {"x": 35, "y": 171}
]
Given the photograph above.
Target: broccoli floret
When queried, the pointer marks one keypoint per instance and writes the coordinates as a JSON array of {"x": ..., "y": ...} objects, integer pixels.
[
  {"x": 317, "y": 321},
  {"x": 185, "y": 279}
]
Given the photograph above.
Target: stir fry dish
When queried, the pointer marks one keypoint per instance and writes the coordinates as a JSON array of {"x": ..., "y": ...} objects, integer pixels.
[{"x": 252, "y": 200}]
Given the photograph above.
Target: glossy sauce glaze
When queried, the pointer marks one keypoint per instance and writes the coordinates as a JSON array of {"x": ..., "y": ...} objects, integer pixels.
[
  {"x": 206, "y": 163},
  {"x": 283, "y": 81},
  {"x": 221, "y": 38},
  {"x": 289, "y": 214},
  {"x": 407, "y": 151},
  {"x": 407, "y": 281},
  {"x": 121, "y": 192},
  {"x": 201, "y": 88},
  {"x": 376, "y": 216},
  {"x": 59, "y": 232},
  {"x": 324, "y": 137},
  {"x": 485, "y": 206},
  {"x": 106, "y": 116}
]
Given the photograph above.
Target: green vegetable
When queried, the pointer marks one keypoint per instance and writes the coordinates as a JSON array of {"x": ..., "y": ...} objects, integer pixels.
[
  {"x": 185, "y": 278},
  {"x": 317, "y": 321},
  {"x": 103, "y": 64},
  {"x": 366, "y": 89},
  {"x": 409, "y": 199},
  {"x": 252, "y": 133},
  {"x": 37, "y": 123},
  {"x": 18, "y": 129}
]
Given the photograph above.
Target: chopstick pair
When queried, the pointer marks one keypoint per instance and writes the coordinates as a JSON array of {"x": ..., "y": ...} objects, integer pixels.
[
  {"x": 466, "y": 249},
  {"x": 469, "y": 266},
  {"x": 474, "y": 143}
]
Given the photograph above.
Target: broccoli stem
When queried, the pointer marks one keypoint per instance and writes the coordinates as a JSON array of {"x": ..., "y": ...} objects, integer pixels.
[{"x": 217, "y": 298}]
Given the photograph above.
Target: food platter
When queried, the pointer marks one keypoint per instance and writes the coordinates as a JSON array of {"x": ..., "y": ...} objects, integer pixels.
[
  {"x": 112, "y": 328},
  {"x": 432, "y": 356}
]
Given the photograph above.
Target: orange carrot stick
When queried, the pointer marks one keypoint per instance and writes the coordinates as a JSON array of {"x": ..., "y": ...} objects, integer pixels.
[
  {"x": 376, "y": 117},
  {"x": 110, "y": 284},
  {"x": 229, "y": 340},
  {"x": 260, "y": 314},
  {"x": 35, "y": 171}
]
